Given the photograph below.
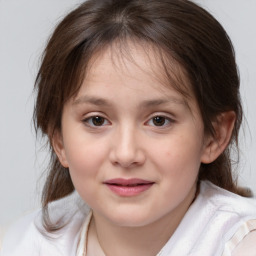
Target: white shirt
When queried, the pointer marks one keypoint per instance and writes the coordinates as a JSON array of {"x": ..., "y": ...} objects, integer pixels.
[{"x": 218, "y": 223}]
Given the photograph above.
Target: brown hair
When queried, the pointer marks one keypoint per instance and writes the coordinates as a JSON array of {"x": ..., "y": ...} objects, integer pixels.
[{"x": 183, "y": 31}]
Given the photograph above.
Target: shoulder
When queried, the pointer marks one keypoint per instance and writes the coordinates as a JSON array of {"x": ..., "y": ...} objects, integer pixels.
[
  {"x": 247, "y": 247},
  {"x": 238, "y": 215},
  {"x": 22, "y": 233},
  {"x": 225, "y": 201},
  {"x": 28, "y": 237}
]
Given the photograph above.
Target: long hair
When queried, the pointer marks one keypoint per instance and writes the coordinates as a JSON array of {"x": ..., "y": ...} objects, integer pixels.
[{"x": 181, "y": 30}]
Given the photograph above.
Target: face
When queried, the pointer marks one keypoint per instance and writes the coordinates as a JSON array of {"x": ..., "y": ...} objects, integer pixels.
[{"x": 132, "y": 145}]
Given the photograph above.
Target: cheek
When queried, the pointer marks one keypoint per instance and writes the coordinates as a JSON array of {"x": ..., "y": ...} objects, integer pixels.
[
  {"x": 84, "y": 158},
  {"x": 178, "y": 155},
  {"x": 85, "y": 163}
]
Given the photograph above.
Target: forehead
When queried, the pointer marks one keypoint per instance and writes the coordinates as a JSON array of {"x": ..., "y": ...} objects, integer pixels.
[
  {"x": 140, "y": 60},
  {"x": 153, "y": 78},
  {"x": 138, "y": 74}
]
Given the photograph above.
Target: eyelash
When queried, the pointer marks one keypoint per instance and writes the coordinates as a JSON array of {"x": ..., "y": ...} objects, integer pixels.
[
  {"x": 163, "y": 121},
  {"x": 89, "y": 121}
]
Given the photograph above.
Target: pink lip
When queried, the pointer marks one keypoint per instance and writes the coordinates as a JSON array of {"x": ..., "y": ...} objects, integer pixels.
[{"x": 128, "y": 187}]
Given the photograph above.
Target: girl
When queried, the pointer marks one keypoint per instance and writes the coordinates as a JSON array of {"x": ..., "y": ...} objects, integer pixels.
[{"x": 140, "y": 102}]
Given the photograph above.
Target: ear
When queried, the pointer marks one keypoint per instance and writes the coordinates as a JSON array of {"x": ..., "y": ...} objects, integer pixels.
[
  {"x": 215, "y": 145},
  {"x": 58, "y": 146}
]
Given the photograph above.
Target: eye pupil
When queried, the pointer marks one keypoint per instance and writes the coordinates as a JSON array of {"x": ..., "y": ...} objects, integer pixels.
[
  {"x": 159, "y": 120},
  {"x": 97, "y": 120}
]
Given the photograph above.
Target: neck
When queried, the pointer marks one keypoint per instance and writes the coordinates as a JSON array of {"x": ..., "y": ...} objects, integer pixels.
[
  {"x": 126, "y": 241},
  {"x": 146, "y": 240}
]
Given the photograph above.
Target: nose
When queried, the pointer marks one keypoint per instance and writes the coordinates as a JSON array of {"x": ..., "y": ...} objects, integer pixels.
[{"x": 127, "y": 150}]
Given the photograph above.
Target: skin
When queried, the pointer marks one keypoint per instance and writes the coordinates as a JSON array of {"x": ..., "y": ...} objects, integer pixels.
[{"x": 129, "y": 143}]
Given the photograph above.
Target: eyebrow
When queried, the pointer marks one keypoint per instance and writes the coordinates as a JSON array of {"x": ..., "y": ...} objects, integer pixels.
[
  {"x": 158, "y": 102},
  {"x": 92, "y": 100},
  {"x": 97, "y": 101}
]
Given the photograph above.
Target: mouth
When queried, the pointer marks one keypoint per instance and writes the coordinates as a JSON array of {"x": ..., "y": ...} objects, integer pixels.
[{"x": 128, "y": 187}]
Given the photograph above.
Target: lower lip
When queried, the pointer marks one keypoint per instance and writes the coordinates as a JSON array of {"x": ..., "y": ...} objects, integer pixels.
[{"x": 129, "y": 190}]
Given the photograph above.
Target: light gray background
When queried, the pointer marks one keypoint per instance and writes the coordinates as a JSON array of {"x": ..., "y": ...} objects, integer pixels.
[{"x": 25, "y": 26}]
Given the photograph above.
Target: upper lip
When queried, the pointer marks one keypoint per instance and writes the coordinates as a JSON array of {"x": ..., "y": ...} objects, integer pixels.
[{"x": 127, "y": 182}]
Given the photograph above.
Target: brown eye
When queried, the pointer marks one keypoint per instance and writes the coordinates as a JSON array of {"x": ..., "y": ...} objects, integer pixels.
[
  {"x": 159, "y": 120},
  {"x": 96, "y": 121}
]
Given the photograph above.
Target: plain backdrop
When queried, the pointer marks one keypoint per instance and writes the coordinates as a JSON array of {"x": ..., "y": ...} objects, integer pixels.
[{"x": 25, "y": 26}]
